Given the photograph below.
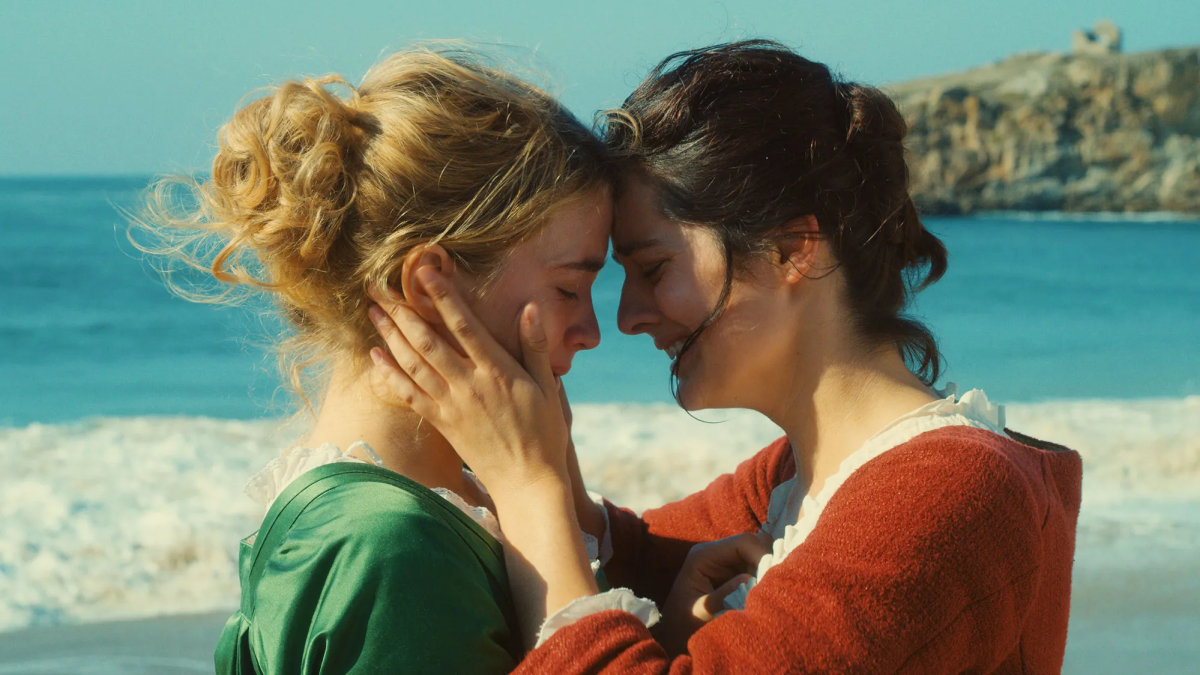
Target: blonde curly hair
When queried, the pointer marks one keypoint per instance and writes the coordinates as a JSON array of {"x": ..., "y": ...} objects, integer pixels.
[{"x": 317, "y": 196}]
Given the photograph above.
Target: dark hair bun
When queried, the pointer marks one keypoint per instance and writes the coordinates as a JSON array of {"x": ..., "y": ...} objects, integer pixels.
[{"x": 748, "y": 136}]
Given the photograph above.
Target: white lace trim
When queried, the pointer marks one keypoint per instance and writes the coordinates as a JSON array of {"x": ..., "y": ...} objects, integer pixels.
[
  {"x": 479, "y": 514},
  {"x": 621, "y": 599},
  {"x": 971, "y": 410},
  {"x": 266, "y": 485}
]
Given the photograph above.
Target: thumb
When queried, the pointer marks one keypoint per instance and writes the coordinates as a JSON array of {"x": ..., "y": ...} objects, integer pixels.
[
  {"x": 752, "y": 547},
  {"x": 535, "y": 352},
  {"x": 708, "y": 606},
  {"x": 746, "y": 550}
]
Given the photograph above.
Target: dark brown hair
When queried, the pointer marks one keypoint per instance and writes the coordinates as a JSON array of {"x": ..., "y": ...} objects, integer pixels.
[{"x": 743, "y": 138}]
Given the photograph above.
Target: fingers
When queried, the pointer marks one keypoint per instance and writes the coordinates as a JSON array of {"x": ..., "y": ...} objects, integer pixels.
[
  {"x": 765, "y": 539},
  {"x": 476, "y": 341},
  {"x": 751, "y": 548},
  {"x": 405, "y": 331},
  {"x": 391, "y": 383},
  {"x": 535, "y": 351},
  {"x": 723, "y": 557},
  {"x": 405, "y": 357},
  {"x": 708, "y": 606}
]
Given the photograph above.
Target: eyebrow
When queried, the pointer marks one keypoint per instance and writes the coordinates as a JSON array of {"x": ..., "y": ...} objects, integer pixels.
[
  {"x": 592, "y": 265},
  {"x": 626, "y": 250}
]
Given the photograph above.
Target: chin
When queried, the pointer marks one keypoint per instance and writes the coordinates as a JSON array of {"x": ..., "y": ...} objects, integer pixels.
[
  {"x": 691, "y": 397},
  {"x": 698, "y": 392}
]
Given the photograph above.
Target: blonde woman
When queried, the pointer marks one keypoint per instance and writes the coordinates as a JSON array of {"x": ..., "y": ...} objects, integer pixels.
[{"x": 379, "y": 550}]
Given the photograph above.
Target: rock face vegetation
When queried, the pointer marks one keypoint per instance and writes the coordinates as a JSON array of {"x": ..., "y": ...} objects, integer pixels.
[{"x": 1050, "y": 131}]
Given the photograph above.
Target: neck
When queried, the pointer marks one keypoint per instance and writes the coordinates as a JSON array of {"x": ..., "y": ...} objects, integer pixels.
[
  {"x": 834, "y": 408},
  {"x": 351, "y": 412}
]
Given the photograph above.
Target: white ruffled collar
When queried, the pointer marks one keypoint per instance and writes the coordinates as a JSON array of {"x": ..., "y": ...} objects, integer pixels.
[
  {"x": 266, "y": 485},
  {"x": 972, "y": 409}
]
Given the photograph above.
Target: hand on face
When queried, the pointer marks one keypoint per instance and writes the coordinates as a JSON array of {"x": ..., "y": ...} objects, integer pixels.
[
  {"x": 548, "y": 279},
  {"x": 711, "y": 571},
  {"x": 505, "y": 421}
]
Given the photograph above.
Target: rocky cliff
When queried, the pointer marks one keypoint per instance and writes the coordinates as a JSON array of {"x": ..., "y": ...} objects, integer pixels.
[{"x": 1049, "y": 131}]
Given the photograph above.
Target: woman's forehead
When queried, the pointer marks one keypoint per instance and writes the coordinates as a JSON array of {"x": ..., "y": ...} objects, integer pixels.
[
  {"x": 576, "y": 237},
  {"x": 638, "y": 223}
]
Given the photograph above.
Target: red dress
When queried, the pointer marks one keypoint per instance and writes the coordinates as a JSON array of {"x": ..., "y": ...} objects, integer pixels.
[{"x": 949, "y": 553}]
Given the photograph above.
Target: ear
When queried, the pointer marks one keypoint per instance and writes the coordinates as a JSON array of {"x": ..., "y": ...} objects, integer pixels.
[
  {"x": 798, "y": 248},
  {"x": 432, "y": 255}
]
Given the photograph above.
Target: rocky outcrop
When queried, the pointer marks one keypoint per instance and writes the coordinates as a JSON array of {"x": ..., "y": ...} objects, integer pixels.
[{"x": 1050, "y": 131}]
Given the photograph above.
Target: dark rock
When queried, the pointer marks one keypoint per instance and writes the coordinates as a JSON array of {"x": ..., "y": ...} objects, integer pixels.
[{"x": 1049, "y": 131}]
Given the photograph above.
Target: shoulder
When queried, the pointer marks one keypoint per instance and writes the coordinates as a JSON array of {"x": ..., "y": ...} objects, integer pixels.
[
  {"x": 379, "y": 521},
  {"x": 955, "y": 483},
  {"x": 965, "y": 457},
  {"x": 366, "y": 555},
  {"x": 768, "y": 467}
]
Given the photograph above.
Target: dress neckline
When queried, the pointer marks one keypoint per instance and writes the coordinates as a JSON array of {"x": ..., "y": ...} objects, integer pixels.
[
  {"x": 266, "y": 485},
  {"x": 972, "y": 409}
]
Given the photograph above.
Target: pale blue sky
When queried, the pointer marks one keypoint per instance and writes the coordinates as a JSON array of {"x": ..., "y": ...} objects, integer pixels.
[{"x": 126, "y": 87}]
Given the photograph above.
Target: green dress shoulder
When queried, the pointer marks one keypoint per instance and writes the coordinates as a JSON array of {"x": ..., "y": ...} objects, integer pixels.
[{"x": 359, "y": 570}]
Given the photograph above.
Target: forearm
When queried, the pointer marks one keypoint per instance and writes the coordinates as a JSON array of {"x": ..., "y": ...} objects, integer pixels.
[
  {"x": 589, "y": 513},
  {"x": 544, "y": 552}
]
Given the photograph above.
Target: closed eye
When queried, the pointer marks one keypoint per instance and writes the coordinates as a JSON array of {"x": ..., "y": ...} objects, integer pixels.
[
  {"x": 568, "y": 294},
  {"x": 653, "y": 270}
]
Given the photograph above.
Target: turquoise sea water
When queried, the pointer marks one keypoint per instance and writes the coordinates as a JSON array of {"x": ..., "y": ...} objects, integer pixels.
[{"x": 1031, "y": 309}]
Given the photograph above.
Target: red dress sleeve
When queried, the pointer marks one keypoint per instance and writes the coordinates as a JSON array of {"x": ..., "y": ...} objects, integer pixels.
[
  {"x": 648, "y": 552},
  {"x": 930, "y": 558}
]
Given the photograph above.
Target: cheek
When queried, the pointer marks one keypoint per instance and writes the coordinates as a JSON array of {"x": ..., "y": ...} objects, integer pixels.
[
  {"x": 682, "y": 298},
  {"x": 501, "y": 318},
  {"x": 749, "y": 319},
  {"x": 556, "y": 321}
]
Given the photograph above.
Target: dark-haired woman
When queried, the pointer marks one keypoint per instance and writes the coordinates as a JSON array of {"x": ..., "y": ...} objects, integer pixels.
[{"x": 770, "y": 247}]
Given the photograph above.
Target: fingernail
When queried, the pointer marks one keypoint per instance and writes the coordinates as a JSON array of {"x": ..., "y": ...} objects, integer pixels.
[
  {"x": 535, "y": 321},
  {"x": 376, "y": 356},
  {"x": 375, "y": 313}
]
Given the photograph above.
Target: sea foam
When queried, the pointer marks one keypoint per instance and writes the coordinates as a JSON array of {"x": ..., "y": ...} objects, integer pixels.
[{"x": 133, "y": 517}]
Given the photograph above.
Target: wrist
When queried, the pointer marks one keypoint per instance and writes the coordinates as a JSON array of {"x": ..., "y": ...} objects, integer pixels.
[
  {"x": 590, "y": 514},
  {"x": 543, "y": 549},
  {"x": 523, "y": 469},
  {"x": 532, "y": 493}
]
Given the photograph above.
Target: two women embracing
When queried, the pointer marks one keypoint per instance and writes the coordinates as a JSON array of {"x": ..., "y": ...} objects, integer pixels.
[{"x": 431, "y": 237}]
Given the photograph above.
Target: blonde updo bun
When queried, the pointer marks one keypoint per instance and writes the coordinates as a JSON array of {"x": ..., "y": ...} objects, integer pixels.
[{"x": 319, "y": 189}]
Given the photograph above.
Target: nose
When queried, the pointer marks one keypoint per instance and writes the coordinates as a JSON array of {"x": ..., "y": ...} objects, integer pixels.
[
  {"x": 637, "y": 312},
  {"x": 585, "y": 333}
]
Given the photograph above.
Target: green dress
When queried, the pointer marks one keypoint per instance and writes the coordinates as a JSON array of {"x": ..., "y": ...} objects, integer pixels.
[{"x": 357, "y": 569}]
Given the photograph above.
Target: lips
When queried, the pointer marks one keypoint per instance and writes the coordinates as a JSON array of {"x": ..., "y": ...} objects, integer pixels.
[{"x": 672, "y": 349}]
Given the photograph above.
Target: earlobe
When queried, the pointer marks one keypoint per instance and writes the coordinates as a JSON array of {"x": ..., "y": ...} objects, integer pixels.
[{"x": 414, "y": 292}]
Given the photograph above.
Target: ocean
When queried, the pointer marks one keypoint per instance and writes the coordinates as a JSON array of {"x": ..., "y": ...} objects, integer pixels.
[
  {"x": 1030, "y": 310},
  {"x": 130, "y": 419}
]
